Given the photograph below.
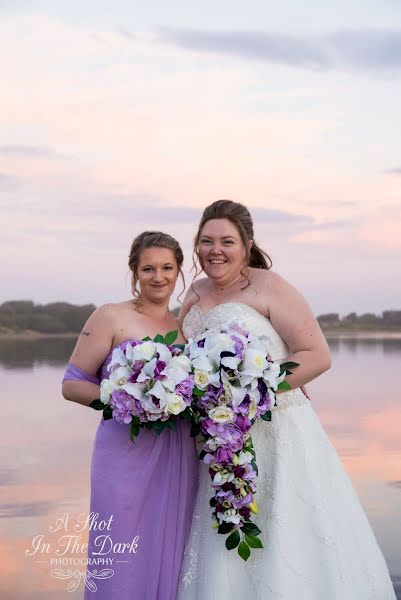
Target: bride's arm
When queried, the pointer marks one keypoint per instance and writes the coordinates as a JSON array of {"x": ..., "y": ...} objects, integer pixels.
[
  {"x": 293, "y": 319},
  {"x": 94, "y": 343}
]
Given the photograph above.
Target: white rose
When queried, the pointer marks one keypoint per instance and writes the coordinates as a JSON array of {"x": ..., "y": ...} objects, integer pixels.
[
  {"x": 221, "y": 414},
  {"x": 201, "y": 379},
  {"x": 175, "y": 404},
  {"x": 106, "y": 389},
  {"x": 145, "y": 351}
]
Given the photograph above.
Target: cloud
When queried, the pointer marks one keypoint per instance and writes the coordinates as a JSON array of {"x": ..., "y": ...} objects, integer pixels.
[
  {"x": 32, "y": 152},
  {"x": 395, "y": 484},
  {"x": 393, "y": 171},
  {"x": 347, "y": 49},
  {"x": 27, "y": 509},
  {"x": 8, "y": 183}
]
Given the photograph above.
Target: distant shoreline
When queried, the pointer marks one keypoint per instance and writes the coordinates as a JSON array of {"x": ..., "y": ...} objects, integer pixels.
[
  {"x": 366, "y": 334},
  {"x": 385, "y": 334},
  {"x": 35, "y": 335}
]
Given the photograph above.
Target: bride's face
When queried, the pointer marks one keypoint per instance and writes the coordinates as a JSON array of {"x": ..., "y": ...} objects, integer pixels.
[
  {"x": 157, "y": 274},
  {"x": 221, "y": 251}
]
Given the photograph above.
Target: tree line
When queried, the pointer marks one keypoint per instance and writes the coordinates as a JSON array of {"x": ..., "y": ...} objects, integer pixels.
[
  {"x": 388, "y": 319},
  {"x": 63, "y": 317}
]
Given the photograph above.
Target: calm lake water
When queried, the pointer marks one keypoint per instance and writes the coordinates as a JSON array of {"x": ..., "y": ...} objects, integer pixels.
[{"x": 46, "y": 446}]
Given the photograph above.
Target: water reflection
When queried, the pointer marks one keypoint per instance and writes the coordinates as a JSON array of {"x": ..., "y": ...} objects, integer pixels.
[
  {"x": 48, "y": 442},
  {"x": 18, "y": 354}
]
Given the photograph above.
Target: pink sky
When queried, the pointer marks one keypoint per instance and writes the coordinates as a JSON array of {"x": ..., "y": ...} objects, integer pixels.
[{"x": 104, "y": 133}]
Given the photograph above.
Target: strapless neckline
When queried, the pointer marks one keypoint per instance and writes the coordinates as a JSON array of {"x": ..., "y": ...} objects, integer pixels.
[
  {"x": 207, "y": 313},
  {"x": 126, "y": 342}
]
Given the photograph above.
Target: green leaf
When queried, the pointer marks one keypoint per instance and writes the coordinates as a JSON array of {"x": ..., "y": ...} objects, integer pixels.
[
  {"x": 195, "y": 429},
  {"x": 253, "y": 541},
  {"x": 171, "y": 424},
  {"x": 267, "y": 416},
  {"x": 158, "y": 338},
  {"x": 107, "y": 413},
  {"x": 198, "y": 392},
  {"x": 288, "y": 365},
  {"x": 225, "y": 528},
  {"x": 255, "y": 466},
  {"x": 170, "y": 337},
  {"x": 158, "y": 426},
  {"x": 134, "y": 430},
  {"x": 250, "y": 529},
  {"x": 284, "y": 385},
  {"x": 147, "y": 339},
  {"x": 244, "y": 550},
  {"x": 97, "y": 404},
  {"x": 233, "y": 540}
]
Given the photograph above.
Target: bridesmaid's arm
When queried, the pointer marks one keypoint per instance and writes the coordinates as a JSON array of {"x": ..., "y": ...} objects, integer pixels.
[
  {"x": 295, "y": 322},
  {"x": 93, "y": 345}
]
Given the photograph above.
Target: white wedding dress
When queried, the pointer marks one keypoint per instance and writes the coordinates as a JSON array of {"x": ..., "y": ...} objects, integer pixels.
[{"x": 318, "y": 543}]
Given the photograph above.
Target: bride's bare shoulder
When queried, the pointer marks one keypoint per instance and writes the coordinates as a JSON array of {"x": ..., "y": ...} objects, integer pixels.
[{"x": 265, "y": 280}]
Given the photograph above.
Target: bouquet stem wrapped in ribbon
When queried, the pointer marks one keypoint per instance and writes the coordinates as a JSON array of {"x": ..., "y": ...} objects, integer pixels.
[
  {"x": 235, "y": 383},
  {"x": 150, "y": 384}
]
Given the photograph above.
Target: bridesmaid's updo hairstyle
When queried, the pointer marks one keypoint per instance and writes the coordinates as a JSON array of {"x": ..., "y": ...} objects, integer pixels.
[
  {"x": 240, "y": 217},
  {"x": 152, "y": 239}
]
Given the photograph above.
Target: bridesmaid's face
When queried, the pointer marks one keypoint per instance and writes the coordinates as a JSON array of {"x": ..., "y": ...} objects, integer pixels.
[
  {"x": 157, "y": 274},
  {"x": 221, "y": 251}
]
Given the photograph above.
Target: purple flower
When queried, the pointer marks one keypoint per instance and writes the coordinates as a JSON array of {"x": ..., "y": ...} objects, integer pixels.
[
  {"x": 239, "y": 472},
  {"x": 158, "y": 371},
  {"x": 123, "y": 406},
  {"x": 223, "y": 456},
  {"x": 243, "y": 423},
  {"x": 185, "y": 388},
  {"x": 239, "y": 502},
  {"x": 136, "y": 367},
  {"x": 238, "y": 347}
]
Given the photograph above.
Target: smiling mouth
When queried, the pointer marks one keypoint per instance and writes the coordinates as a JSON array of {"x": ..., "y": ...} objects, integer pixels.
[{"x": 217, "y": 261}]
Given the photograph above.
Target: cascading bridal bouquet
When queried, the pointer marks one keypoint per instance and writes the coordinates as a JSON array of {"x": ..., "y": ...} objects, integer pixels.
[
  {"x": 235, "y": 383},
  {"x": 150, "y": 384}
]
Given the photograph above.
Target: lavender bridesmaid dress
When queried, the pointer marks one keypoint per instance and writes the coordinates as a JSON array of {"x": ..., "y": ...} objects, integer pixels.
[{"x": 149, "y": 489}]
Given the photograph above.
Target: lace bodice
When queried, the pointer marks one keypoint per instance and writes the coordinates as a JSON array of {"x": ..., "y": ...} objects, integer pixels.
[{"x": 217, "y": 317}]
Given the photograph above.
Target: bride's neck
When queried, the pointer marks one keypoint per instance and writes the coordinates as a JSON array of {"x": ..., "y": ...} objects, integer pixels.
[{"x": 226, "y": 287}]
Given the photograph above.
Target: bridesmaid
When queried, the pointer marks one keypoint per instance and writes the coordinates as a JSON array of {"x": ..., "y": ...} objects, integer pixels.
[{"x": 145, "y": 491}]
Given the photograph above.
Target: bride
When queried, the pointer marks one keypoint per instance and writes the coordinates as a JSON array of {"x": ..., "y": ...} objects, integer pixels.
[{"x": 318, "y": 543}]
